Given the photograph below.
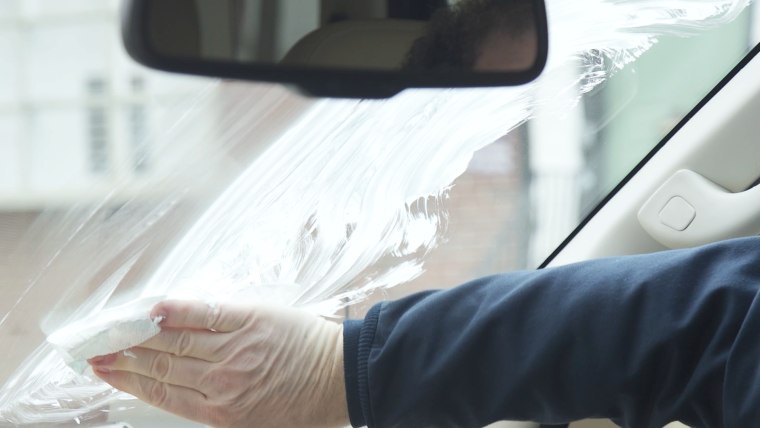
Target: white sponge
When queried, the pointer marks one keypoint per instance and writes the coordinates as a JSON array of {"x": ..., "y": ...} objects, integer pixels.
[{"x": 107, "y": 332}]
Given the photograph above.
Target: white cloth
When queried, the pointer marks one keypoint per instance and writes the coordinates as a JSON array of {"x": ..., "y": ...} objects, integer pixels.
[{"x": 107, "y": 332}]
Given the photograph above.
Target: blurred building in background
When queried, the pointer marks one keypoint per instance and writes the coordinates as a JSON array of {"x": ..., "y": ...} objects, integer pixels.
[
  {"x": 76, "y": 114},
  {"x": 77, "y": 118}
]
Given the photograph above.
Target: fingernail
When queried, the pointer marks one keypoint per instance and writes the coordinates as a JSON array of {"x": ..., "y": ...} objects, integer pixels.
[
  {"x": 102, "y": 371},
  {"x": 103, "y": 360}
]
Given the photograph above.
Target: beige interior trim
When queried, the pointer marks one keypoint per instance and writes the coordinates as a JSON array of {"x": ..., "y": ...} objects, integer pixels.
[{"x": 720, "y": 143}]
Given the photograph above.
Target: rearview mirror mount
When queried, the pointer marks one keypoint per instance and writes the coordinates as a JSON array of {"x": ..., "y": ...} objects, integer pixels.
[{"x": 332, "y": 48}]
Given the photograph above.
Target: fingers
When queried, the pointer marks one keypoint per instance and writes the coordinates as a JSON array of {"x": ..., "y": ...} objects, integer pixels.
[
  {"x": 199, "y": 315},
  {"x": 200, "y": 344},
  {"x": 163, "y": 367},
  {"x": 179, "y": 400}
]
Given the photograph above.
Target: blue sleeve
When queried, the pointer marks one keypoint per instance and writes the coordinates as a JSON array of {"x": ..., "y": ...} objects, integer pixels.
[{"x": 642, "y": 340}]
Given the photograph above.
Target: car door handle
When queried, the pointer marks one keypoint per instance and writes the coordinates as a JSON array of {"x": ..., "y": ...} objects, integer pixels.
[{"x": 690, "y": 210}]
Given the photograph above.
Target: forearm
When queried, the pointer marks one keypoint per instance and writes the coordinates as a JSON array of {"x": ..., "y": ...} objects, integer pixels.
[{"x": 643, "y": 340}]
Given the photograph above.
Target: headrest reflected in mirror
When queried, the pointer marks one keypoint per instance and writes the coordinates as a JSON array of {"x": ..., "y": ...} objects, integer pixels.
[{"x": 359, "y": 48}]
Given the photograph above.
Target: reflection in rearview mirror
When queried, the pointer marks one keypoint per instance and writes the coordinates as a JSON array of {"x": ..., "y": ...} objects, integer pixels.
[{"x": 444, "y": 38}]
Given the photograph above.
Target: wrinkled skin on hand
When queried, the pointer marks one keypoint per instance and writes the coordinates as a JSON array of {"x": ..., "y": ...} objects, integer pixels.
[{"x": 237, "y": 366}]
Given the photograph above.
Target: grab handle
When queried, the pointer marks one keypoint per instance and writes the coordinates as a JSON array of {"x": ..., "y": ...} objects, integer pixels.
[{"x": 690, "y": 210}]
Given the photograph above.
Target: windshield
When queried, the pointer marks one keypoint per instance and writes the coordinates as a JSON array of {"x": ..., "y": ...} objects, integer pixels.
[{"x": 80, "y": 124}]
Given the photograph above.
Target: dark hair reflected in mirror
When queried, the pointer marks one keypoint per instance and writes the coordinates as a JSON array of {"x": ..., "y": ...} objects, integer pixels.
[{"x": 484, "y": 35}]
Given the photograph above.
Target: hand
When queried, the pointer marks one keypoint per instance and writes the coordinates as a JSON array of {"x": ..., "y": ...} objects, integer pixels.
[{"x": 237, "y": 366}]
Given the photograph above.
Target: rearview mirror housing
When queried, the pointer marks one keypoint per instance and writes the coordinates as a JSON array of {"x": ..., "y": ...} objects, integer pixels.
[{"x": 359, "y": 49}]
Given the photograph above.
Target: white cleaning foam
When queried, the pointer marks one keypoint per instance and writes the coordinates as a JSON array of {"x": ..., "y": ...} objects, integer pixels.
[{"x": 106, "y": 332}]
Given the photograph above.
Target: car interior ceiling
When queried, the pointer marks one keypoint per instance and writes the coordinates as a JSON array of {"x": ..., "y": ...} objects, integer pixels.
[
  {"x": 333, "y": 11},
  {"x": 339, "y": 10}
]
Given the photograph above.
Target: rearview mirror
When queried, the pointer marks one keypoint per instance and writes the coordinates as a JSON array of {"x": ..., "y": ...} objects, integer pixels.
[{"x": 343, "y": 48}]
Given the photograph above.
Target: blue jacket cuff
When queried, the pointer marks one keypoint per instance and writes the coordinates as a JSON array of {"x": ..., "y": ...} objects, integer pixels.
[{"x": 358, "y": 336}]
